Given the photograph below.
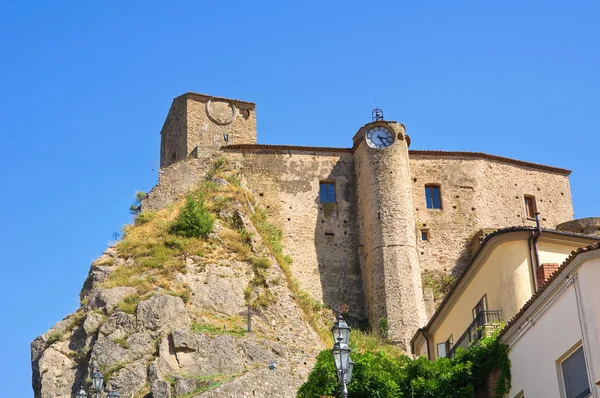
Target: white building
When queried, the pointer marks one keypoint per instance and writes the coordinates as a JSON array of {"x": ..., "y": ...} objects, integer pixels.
[{"x": 554, "y": 339}]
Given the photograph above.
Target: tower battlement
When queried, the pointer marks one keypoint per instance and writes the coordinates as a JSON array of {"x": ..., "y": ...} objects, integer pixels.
[{"x": 198, "y": 120}]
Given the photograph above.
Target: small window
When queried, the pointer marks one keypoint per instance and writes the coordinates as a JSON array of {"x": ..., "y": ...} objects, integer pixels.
[
  {"x": 433, "y": 197},
  {"x": 530, "y": 208},
  {"x": 174, "y": 157},
  {"x": 327, "y": 192},
  {"x": 575, "y": 376},
  {"x": 424, "y": 234}
]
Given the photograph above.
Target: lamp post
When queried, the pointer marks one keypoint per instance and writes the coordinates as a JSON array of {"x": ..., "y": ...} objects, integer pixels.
[
  {"x": 97, "y": 384},
  {"x": 341, "y": 353}
]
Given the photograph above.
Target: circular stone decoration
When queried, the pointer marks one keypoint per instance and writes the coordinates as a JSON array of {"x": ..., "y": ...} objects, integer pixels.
[
  {"x": 379, "y": 137},
  {"x": 221, "y": 112}
]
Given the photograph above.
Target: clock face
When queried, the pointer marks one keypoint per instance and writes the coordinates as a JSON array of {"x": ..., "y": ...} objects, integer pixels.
[{"x": 379, "y": 137}]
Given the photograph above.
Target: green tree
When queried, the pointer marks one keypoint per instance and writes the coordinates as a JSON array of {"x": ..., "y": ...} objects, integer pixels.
[{"x": 194, "y": 220}]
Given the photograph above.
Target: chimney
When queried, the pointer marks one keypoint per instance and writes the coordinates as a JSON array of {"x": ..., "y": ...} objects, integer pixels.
[{"x": 544, "y": 271}]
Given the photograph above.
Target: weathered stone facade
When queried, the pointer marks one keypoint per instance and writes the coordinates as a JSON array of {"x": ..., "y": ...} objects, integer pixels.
[{"x": 365, "y": 249}]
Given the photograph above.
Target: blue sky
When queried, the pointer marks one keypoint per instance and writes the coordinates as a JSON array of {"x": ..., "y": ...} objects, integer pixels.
[{"x": 86, "y": 86}]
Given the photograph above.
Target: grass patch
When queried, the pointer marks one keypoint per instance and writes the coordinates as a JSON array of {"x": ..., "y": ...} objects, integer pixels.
[
  {"x": 81, "y": 355},
  {"x": 208, "y": 382},
  {"x": 76, "y": 320},
  {"x": 107, "y": 371},
  {"x": 122, "y": 342},
  {"x": 54, "y": 336},
  {"x": 129, "y": 303},
  {"x": 212, "y": 330},
  {"x": 144, "y": 217}
]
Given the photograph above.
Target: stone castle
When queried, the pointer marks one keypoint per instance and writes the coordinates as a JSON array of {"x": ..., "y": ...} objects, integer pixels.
[{"x": 361, "y": 223}]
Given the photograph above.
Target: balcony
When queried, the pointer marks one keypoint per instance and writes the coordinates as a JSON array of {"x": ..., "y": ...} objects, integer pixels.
[{"x": 484, "y": 324}]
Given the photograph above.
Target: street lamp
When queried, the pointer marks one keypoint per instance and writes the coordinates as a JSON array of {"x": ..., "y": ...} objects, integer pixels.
[
  {"x": 341, "y": 329},
  {"x": 81, "y": 393},
  {"x": 341, "y": 354},
  {"x": 97, "y": 384}
]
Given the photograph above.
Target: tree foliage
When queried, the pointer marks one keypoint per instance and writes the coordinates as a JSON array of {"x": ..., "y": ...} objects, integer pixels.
[
  {"x": 194, "y": 220},
  {"x": 381, "y": 375}
]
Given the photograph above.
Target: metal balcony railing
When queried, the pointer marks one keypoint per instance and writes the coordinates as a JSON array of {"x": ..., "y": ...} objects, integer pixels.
[{"x": 483, "y": 325}]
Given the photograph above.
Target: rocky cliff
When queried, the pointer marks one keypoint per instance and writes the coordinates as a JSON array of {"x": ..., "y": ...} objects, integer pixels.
[{"x": 166, "y": 315}]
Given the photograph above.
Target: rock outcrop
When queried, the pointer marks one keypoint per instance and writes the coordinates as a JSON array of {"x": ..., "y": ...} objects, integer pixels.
[{"x": 175, "y": 325}]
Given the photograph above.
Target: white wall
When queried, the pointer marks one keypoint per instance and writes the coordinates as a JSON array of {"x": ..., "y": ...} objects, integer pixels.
[
  {"x": 588, "y": 282},
  {"x": 533, "y": 356}
]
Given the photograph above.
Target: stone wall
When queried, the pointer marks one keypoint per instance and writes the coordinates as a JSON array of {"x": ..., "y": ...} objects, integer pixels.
[
  {"x": 479, "y": 193},
  {"x": 173, "y": 145},
  {"x": 321, "y": 238}
]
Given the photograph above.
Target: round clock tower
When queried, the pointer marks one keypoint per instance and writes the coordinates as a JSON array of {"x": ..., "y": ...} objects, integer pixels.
[{"x": 387, "y": 236}]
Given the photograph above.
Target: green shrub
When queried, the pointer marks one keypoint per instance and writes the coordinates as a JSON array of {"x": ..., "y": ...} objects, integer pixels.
[
  {"x": 381, "y": 374},
  {"x": 136, "y": 207},
  {"x": 383, "y": 326},
  {"x": 129, "y": 303},
  {"x": 55, "y": 335},
  {"x": 194, "y": 221}
]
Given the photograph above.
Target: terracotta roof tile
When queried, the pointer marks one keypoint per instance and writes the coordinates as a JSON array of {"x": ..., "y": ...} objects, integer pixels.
[{"x": 544, "y": 286}]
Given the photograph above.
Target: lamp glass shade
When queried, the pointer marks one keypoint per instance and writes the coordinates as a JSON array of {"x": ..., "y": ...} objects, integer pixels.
[
  {"x": 349, "y": 371},
  {"x": 98, "y": 381},
  {"x": 81, "y": 393},
  {"x": 337, "y": 356},
  {"x": 344, "y": 357},
  {"x": 341, "y": 356},
  {"x": 341, "y": 329}
]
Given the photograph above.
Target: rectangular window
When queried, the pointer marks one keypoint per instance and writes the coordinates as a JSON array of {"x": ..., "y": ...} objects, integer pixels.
[
  {"x": 433, "y": 197},
  {"x": 424, "y": 234},
  {"x": 327, "y": 192},
  {"x": 481, "y": 306},
  {"x": 530, "y": 209},
  {"x": 575, "y": 376},
  {"x": 442, "y": 350}
]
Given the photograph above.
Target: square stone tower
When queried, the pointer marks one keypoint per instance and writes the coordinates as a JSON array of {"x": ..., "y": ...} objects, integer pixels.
[{"x": 197, "y": 120}]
